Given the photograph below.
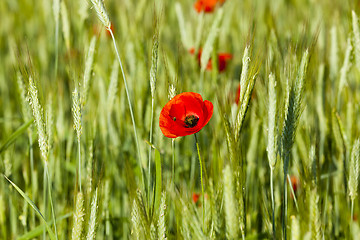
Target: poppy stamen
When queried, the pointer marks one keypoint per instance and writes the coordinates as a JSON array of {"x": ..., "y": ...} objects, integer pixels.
[{"x": 191, "y": 121}]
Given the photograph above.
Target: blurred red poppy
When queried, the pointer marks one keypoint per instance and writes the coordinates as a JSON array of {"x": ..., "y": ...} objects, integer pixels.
[
  {"x": 108, "y": 32},
  {"x": 98, "y": 28},
  {"x": 208, "y": 6},
  {"x": 185, "y": 114},
  {"x": 223, "y": 58},
  {"x": 295, "y": 184},
  {"x": 237, "y": 99},
  {"x": 195, "y": 197}
]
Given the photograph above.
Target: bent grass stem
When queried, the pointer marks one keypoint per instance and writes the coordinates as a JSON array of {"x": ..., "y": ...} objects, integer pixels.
[{"x": 130, "y": 107}]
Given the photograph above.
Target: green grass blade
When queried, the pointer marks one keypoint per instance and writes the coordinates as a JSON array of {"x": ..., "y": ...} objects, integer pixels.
[
  {"x": 158, "y": 185},
  {"x": 37, "y": 231},
  {"x": 15, "y": 135},
  {"x": 32, "y": 204}
]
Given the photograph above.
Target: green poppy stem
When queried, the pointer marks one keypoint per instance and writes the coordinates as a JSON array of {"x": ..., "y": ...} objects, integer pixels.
[
  {"x": 202, "y": 184},
  {"x": 173, "y": 159}
]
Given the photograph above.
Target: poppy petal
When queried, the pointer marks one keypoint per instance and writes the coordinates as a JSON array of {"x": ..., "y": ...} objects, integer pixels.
[{"x": 209, "y": 111}]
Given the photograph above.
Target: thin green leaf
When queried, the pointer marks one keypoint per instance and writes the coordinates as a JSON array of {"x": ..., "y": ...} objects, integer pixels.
[
  {"x": 158, "y": 184},
  {"x": 32, "y": 204},
  {"x": 15, "y": 135},
  {"x": 39, "y": 229}
]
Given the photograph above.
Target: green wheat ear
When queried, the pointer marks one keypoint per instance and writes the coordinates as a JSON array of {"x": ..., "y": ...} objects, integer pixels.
[
  {"x": 272, "y": 117},
  {"x": 354, "y": 170},
  {"x": 191, "y": 225},
  {"x": 161, "y": 224},
  {"x": 315, "y": 217},
  {"x": 294, "y": 109},
  {"x": 39, "y": 119},
  {"x": 295, "y": 228},
  {"x": 78, "y": 217},
  {"x": 93, "y": 221},
  {"x": 293, "y": 112},
  {"x": 248, "y": 78}
]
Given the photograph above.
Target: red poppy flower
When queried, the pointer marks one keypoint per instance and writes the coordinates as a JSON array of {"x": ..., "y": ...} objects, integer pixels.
[
  {"x": 208, "y": 6},
  {"x": 223, "y": 58},
  {"x": 185, "y": 114}
]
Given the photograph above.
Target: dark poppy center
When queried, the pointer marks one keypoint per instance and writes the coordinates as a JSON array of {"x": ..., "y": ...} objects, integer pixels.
[{"x": 191, "y": 121}]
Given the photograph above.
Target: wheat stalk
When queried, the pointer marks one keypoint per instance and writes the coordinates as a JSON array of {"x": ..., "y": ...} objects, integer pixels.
[{"x": 231, "y": 210}]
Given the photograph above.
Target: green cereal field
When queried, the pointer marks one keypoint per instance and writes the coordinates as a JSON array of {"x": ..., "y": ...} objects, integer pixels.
[{"x": 169, "y": 119}]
